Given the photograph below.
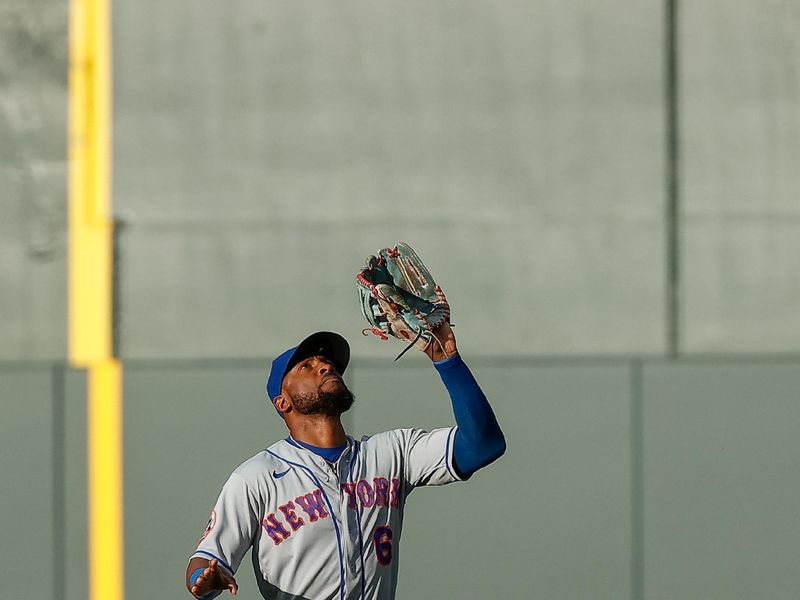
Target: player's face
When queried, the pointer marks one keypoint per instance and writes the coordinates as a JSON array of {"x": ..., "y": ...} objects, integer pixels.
[{"x": 314, "y": 386}]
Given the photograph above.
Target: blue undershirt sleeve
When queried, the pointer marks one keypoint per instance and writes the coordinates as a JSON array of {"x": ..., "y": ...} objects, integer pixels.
[{"x": 478, "y": 440}]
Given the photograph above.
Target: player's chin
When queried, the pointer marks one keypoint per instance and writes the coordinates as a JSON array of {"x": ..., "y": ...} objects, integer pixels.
[
  {"x": 341, "y": 402},
  {"x": 331, "y": 403},
  {"x": 337, "y": 402}
]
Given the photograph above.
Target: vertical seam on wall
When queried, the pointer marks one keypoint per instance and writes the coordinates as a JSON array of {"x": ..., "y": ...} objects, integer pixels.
[
  {"x": 58, "y": 480},
  {"x": 637, "y": 482},
  {"x": 116, "y": 289},
  {"x": 672, "y": 177}
]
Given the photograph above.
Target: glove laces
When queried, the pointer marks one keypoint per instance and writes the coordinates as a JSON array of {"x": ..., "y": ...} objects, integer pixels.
[{"x": 378, "y": 332}]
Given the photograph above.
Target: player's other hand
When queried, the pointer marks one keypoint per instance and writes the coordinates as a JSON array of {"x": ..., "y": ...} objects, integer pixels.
[
  {"x": 446, "y": 346},
  {"x": 214, "y": 578}
]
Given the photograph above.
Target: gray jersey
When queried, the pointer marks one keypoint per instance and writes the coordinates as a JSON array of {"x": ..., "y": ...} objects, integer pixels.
[{"x": 321, "y": 530}]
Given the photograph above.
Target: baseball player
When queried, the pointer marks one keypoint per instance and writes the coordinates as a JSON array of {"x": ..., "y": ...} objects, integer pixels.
[{"x": 322, "y": 511}]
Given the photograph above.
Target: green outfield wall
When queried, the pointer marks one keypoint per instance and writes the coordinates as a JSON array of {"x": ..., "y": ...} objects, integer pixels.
[{"x": 623, "y": 479}]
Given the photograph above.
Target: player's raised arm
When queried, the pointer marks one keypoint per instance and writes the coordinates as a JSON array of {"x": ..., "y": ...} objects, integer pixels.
[
  {"x": 399, "y": 297},
  {"x": 479, "y": 440}
]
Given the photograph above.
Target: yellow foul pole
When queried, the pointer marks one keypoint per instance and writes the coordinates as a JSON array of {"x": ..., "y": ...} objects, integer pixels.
[{"x": 90, "y": 285}]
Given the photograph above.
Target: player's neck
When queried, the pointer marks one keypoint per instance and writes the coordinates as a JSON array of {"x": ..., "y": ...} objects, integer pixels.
[{"x": 319, "y": 430}]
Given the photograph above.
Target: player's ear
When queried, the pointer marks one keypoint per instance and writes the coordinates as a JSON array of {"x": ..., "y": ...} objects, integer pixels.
[{"x": 282, "y": 404}]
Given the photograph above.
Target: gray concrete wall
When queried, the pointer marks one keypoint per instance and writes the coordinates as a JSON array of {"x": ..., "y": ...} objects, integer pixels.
[
  {"x": 33, "y": 198},
  {"x": 740, "y": 132},
  {"x": 651, "y": 480},
  {"x": 520, "y": 146},
  {"x": 517, "y": 146}
]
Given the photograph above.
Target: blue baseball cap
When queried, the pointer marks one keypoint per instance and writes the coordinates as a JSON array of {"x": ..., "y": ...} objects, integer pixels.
[{"x": 323, "y": 343}]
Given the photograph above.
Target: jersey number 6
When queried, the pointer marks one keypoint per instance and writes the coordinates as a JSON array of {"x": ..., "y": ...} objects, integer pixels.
[{"x": 383, "y": 544}]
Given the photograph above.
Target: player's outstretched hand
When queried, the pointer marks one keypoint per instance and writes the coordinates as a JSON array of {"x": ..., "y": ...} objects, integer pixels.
[
  {"x": 214, "y": 578},
  {"x": 446, "y": 346}
]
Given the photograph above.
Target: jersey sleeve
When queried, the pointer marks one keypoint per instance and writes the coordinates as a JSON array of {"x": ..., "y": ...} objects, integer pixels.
[
  {"x": 232, "y": 526},
  {"x": 428, "y": 456}
]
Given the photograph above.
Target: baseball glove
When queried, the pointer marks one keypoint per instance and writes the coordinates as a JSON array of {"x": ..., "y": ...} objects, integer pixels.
[{"x": 399, "y": 297}]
